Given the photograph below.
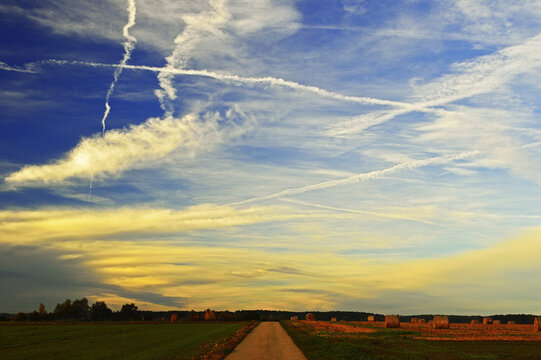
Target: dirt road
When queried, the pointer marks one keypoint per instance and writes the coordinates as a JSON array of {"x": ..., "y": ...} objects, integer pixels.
[{"x": 268, "y": 341}]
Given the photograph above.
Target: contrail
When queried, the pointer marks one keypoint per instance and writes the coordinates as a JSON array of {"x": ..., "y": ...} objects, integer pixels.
[
  {"x": 372, "y": 175},
  {"x": 361, "y": 212},
  {"x": 129, "y": 45},
  {"x": 28, "y": 68},
  {"x": 268, "y": 80},
  {"x": 90, "y": 187}
]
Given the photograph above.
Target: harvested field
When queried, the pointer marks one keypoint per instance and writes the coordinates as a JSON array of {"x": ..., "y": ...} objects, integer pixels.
[
  {"x": 339, "y": 328},
  {"x": 458, "y": 332},
  {"x": 371, "y": 340}
]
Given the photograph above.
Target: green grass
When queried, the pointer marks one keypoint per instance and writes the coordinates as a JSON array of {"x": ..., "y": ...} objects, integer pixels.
[
  {"x": 398, "y": 345},
  {"x": 111, "y": 341}
]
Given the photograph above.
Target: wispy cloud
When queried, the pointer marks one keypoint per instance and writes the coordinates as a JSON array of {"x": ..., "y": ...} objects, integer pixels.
[
  {"x": 40, "y": 226},
  {"x": 483, "y": 74},
  {"x": 475, "y": 77},
  {"x": 197, "y": 26},
  {"x": 119, "y": 150},
  {"x": 28, "y": 68}
]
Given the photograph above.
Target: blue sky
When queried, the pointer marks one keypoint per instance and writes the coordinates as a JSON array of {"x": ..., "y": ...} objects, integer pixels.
[{"x": 301, "y": 155}]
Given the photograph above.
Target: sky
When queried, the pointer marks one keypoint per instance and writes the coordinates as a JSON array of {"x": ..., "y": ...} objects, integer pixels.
[{"x": 359, "y": 155}]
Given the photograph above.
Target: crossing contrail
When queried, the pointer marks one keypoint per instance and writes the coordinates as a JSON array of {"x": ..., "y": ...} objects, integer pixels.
[
  {"x": 129, "y": 45},
  {"x": 372, "y": 175},
  {"x": 266, "y": 80}
]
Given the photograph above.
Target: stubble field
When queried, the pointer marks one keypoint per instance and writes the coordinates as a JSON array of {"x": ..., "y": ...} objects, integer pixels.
[{"x": 369, "y": 340}]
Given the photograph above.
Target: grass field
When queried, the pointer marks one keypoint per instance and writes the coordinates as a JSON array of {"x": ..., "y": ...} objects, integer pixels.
[
  {"x": 113, "y": 341},
  {"x": 358, "y": 341}
]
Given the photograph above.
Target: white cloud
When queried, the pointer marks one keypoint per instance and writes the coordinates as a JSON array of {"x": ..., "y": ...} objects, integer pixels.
[
  {"x": 249, "y": 17},
  {"x": 214, "y": 32},
  {"x": 28, "y": 68},
  {"x": 355, "y": 7},
  {"x": 496, "y": 18},
  {"x": 119, "y": 150},
  {"x": 503, "y": 138},
  {"x": 160, "y": 20}
]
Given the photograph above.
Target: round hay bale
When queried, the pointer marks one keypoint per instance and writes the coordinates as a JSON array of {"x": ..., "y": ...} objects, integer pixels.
[
  {"x": 487, "y": 320},
  {"x": 392, "y": 321},
  {"x": 333, "y": 319},
  {"x": 497, "y": 322},
  {"x": 210, "y": 315},
  {"x": 511, "y": 322},
  {"x": 294, "y": 318},
  {"x": 475, "y": 321},
  {"x": 310, "y": 317},
  {"x": 174, "y": 318},
  {"x": 371, "y": 318},
  {"x": 537, "y": 324},
  {"x": 441, "y": 322}
]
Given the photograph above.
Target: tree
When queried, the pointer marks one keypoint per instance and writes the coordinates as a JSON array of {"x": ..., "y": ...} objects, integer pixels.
[
  {"x": 128, "y": 312},
  {"x": 42, "y": 311},
  {"x": 99, "y": 311},
  {"x": 251, "y": 315},
  {"x": 81, "y": 310},
  {"x": 33, "y": 316},
  {"x": 64, "y": 310},
  {"x": 20, "y": 316}
]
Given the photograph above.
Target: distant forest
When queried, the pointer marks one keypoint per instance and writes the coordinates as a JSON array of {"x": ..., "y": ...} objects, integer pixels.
[{"x": 81, "y": 310}]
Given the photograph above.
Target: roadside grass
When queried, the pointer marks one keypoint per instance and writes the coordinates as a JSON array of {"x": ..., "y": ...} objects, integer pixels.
[
  {"x": 396, "y": 344},
  {"x": 119, "y": 341}
]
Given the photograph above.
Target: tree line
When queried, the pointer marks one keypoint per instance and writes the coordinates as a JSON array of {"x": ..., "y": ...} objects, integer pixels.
[{"x": 80, "y": 310}]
